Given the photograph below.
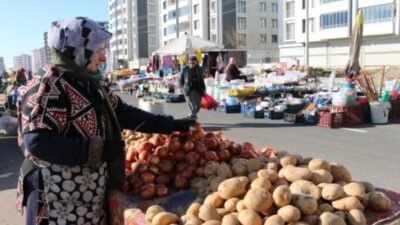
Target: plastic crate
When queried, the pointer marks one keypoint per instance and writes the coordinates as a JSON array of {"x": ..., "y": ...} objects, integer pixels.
[
  {"x": 328, "y": 119},
  {"x": 295, "y": 108},
  {"x": 290, "y": 117},
  {"x": 229, "y": 108},
  {"x": 394, "y": 114},
  {"x": 272, "y": 115},
  {"x": 252, "y": 113},
  {"x": 244, "y": 109},
  {"x": 352, "y": 114},
  {"x": 310, "y": 118}
]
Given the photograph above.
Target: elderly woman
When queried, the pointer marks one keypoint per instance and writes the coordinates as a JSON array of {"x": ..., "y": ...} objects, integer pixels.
[
  {"x": 70, "y": 130},
  {"x": 233, "y": 72}
]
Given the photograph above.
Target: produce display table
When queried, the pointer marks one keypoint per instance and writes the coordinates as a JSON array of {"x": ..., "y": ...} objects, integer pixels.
[{"x": 129, "y": 210}]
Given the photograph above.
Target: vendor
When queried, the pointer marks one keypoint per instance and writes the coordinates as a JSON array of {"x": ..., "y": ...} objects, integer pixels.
[
  {"x": 233, "y": 72},
  {"x": 71, "y": 131}
]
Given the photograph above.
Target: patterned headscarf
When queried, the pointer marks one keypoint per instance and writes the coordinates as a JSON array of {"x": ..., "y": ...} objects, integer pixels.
[{"x": 77, "y": 39}]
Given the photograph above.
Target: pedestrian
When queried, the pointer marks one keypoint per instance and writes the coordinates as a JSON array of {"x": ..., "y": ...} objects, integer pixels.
[
  {"x": 70, "y": 131},
  {"x": 193, "y": 87},
  {"x": 21, "y": 78},
  {"x": 233, "y": 72}
]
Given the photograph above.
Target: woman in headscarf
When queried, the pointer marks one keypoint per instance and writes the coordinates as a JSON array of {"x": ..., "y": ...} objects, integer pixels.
[
  {"x": 70, "y": 131},
  {"x": 233, "y": 72}
]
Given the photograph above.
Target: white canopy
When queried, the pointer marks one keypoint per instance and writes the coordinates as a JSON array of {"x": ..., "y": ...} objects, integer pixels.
[{"x": 187, "y": 44}]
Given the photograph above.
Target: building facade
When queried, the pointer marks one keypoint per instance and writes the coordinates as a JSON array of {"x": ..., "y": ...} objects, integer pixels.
[
  {"x": 180, "y": 17},
  {"x": 47, "y": 51},
  {"x": 23, "y": 61},
  {"x": 330, "y": 24},
  {"x": 38, "y": 59},
  {"x": 248, "y": 25},
  {"x": 2, "y": 65},
  {"x": 134, "y": 25}
]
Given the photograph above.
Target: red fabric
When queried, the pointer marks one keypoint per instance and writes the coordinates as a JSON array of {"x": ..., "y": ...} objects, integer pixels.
[{"x": 207, "y": 102}]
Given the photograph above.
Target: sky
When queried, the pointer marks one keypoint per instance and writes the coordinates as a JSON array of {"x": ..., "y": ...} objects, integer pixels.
[{"x": 23, "y": 22}]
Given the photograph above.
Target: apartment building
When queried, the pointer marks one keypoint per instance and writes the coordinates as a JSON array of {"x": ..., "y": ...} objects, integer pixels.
[
  {"x": 2, "y": 65},
  {"x": 180, "y": 17},
  {"x": 38, "y": 59},
  {"x": 134, "y": 25},
  {"x": 23, "y": 61},
  {"x": 330, "y": 24},
  {"x": 248, "y": 25}
]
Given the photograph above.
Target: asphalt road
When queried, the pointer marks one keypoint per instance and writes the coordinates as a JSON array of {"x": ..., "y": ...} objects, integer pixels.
[{"x": 371, "y": 153}]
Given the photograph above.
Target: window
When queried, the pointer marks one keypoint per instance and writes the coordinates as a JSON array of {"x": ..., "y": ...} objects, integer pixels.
[
  {"x": 171, "y": 15},
  {"x": 289, "y": 9},
  {"x": 171, "y": 29},
  {"x": 377, "y": 14},
  {"x": 263, "y": 6},
  {"x": 196, "y": 9},
  {"x": 241, "y": 7},
  {"x": 311, "y": 25},
  {"x": 196, "y": 24},
  {"x": 242, "y": 39},
  {"x": 274, "y": 7},
  {"x": 213, "y": 8},
  {"x": 164, "y": 4},
  {"x": 290, "y": 31},
  {"x": 274, "y": 38},
  {"x": 263, "y": 22},
  {"x": 303, "y": 26},
  {"x": 165, "y": 18},
  {"x": 303, "y": 4},
  {"x": 312, "y": 3},
  {"x": 328, "y": 1},
  {"x": 274, "y": 23},
  {"x": 334, "y": 20},
  {"x": 263, "y": 38},
  {"x": 184, "y": 11},
  {"x": 165, "y": 31},
  {"x": 214, "y": 38},
  {"x": 242, "y": 23},
  {"x": 213, "y": 23}
]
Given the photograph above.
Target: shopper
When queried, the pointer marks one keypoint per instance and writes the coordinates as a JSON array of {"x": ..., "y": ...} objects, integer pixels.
[
  {"x": 70, "y": 131},
  {"x": 21, "y": 78},
  {"x": 193, "y": 87},
  {"x": 233, "y": 72}
]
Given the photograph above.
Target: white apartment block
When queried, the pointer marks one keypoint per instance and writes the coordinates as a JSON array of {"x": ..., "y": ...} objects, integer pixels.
[
  {"x": 2, "y": 66},
  {"x": 38, "y": 59},
  {"x": 330, "y": 27},
  {"x": 134, "y": 27},
  {"x": 180, "y": 17},
  {"x": 23, "y": 61},
  {"x": 250, "y": 25}
]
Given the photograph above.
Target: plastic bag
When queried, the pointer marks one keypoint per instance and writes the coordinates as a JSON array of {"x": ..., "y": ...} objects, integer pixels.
[{"x": 208, "y": 102}]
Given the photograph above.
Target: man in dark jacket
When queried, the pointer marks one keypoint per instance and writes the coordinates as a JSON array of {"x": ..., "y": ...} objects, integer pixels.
[{"x": 193, "y": 87}]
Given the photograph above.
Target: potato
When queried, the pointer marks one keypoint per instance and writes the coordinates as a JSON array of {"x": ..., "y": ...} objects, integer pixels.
[
  {"x": 249, "y": 217},
  {"x": 328, "y": 218},
  {"x": 198, "y": 182},
  {"x": 279, "y": 182},
  {"x": 274, "y": 220},
  {"x": 269, "y": 174},
  {"x": 326, "y": 207},
  {"x": 305, "y": 187},
  {"x": 298, "y": 223},
  {"x": 254, "y": 165},
  {"x": 347, "y": 203},
  {"x": 211, "y": 169},
  {"x": 240, "y": 206},
  {"x": 341, "y": 214},
  {"x": 239, "y": 161},
  {"x": 211, "y": 178},
  {"x": 258, "y": 199},
  {"x": 379, "y": 201},
  {"x": 153, "y": 211},
  {"x": 193, "y": 209},
  {"x": 216, "y": 182},
  {"x": 239, "y": 169},
  {"x": 230, "y": 220},
  {"x": 261, "y": 182},
  {"x": 192, "y": 220},
  {"x": 305, "y": 203},
  {"x": 311, "y": 219},
  {"x": 305, "y": 161},
  {"x": 203, "y": 192},
  {"x": 319, "y": 164},
  {"x": 262, "y": 159},
  {"x": 272, "y": 166},
  {"x": 341, "y": 182},
  {"x": 233, "y": 187},
  {"x": 340, "y": 173},
  {"x": 293, "y": 174},
  {"x": 165, "y": 218},
  {"x": 224, "y": 171},
  {"x": 208, "y": 212},
  {"x": 230, "y": 204},
  {"x": 222, "y": 212},
  {"x": 288, "y": 160},
  {"x": 321, "y": 176},
  {"x": 332, "y": 192},
  {"x": 282, "y": 196},
  {"x": 355, "y": 189},
  {"x": 368, "y": 186},
  {"x": 212, "y": 222},
  {"x": 214, "y": 200},
  {"x": 356, "y": 217},
  {"x": 252, "y": 176},
  {"x": 289, "y": 213}
]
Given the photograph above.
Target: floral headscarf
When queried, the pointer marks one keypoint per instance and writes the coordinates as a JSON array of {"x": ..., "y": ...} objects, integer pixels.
[{"x": 78, "y": 39}]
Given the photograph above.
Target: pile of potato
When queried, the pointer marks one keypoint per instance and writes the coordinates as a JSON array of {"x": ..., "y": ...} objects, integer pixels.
[{"x": 276, "y": 191}]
